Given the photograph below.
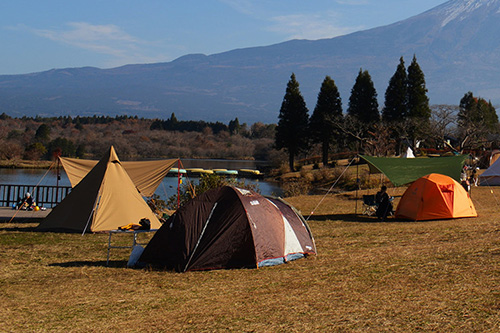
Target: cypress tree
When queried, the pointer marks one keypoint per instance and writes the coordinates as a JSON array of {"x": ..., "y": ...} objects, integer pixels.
[
  {"x": 396, "y": 96},
  {"x": 327, "y": 113},
  {"x": 418, "y": 102},
  {"x": 293, "y": 123},
  {"x": 419, "y": 112},
  {"x": 363, "y": 104}
]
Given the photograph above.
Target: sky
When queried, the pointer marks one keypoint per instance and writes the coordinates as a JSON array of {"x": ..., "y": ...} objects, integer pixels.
[{"x": 39, "y": 35}]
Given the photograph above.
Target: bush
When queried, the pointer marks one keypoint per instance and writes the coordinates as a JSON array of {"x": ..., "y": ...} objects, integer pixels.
[
  {"x": 206, "y": 182},
  {"x": 296, "y": 188}
]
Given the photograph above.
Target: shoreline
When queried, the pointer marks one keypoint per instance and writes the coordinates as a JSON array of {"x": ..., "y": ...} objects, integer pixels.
[{"x": 25, "y": 164}]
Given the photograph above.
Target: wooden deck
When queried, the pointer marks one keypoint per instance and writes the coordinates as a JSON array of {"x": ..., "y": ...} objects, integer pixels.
[{"x": 7, "y": 214}]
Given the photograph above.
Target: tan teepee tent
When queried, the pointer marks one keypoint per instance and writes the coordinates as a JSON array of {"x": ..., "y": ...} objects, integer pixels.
[{"x": 105, "y": 199}]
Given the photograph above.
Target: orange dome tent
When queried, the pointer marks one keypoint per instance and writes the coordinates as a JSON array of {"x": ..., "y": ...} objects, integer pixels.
[{"x": 435, "y": 197}]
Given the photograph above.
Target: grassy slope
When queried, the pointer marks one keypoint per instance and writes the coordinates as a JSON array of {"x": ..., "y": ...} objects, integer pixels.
[{"x": 367, "y": 276}]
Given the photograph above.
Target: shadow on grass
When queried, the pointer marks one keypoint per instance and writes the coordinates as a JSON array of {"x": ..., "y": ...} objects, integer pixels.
[
  {"x": 354, "y": 218},
  {"x": 19, "y": 229},
  {"x": 99, "y": 263}
]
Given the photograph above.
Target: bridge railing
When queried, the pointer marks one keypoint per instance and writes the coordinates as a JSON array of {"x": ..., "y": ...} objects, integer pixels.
[{"x": 44, "y": 196}]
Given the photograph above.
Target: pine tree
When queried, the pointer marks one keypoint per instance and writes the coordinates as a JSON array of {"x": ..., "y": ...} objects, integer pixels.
[
  {"x": 234, "y": 126},
  {"x": 363, "y": 104},
  {"x": 419, "y": 112},
  {"x": 396, "y": 96},
  {"x": 327, "y": 113},
  {"x": 292, "y": 129},
  {"x": 418, "y": 102}
]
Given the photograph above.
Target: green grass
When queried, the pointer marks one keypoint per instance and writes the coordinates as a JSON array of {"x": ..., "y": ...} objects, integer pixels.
[{"x": 368, "y": 276}]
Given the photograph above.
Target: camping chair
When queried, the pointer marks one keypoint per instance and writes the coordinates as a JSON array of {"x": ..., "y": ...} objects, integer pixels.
[{"x": 369, "y": 205}]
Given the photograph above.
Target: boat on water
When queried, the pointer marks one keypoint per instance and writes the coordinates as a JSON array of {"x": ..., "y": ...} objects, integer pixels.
[
  {"x": 225, "y": 172},
  {"x": 196, "y": 172},
  {"x": 250, "y": 172},
  {"x": 199, "y": 171},
  {"x": 175, "y": 171}
]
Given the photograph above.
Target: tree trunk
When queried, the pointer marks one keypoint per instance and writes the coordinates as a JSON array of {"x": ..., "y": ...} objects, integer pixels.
[
  {"x": 325, "y": 153},
  {"x": 291, "y": 158}
]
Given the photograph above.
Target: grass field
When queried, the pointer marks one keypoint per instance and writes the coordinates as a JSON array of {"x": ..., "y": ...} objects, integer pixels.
[{"x": 368, "y": 276}]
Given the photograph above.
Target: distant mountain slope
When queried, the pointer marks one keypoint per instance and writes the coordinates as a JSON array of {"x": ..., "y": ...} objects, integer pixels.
[{"x": 457, "y": 45}]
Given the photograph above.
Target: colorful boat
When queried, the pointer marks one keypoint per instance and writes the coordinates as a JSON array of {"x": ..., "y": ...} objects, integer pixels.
[
  {"x": 177, "y": 171},
  {"x": 198, "y": 171},
  {"x": 225, "y": 172},
  {"x": 250, "y": 172}
]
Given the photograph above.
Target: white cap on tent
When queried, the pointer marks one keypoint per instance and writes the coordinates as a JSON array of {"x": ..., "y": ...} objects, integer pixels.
[{"x": 408, "y": 154}]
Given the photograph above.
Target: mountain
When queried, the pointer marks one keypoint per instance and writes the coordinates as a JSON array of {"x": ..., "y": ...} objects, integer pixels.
[{"x": 457, "y": 45}]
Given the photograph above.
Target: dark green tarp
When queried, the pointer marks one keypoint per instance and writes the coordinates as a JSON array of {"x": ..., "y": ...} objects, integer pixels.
[{"x": 401, "y": 171}]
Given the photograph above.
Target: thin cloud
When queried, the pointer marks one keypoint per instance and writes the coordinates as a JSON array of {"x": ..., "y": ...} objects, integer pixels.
[
  {"x": 242, "y": 6},
  {"x": 106, "y": 39},
  {"x": 353, "y": 2},
  {"x": 314, "y": 26}
]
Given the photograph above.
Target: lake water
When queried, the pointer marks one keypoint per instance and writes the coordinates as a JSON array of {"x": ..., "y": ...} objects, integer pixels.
[{"x": 166, "y": 189}]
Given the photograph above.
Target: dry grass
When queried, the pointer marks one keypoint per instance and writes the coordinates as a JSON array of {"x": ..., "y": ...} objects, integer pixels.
[{"x": 368, "y": 276}]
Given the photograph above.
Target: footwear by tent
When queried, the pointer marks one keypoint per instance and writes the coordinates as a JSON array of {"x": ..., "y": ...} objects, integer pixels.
[{"x": 229, "y": 227}]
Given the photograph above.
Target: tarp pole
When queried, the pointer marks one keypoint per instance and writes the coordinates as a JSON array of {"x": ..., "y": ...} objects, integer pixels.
[
  {"x": 357, "y": 187},
  {"x": 201, "y": 236},
  {"x": 57, "y": 180},
  {"x": 178, "y": 183}
]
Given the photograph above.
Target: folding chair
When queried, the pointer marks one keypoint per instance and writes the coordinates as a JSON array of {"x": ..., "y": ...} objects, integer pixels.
[{"x": 369, "y": 205}]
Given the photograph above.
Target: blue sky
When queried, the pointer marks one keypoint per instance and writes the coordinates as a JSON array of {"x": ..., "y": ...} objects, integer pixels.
[{"x": 38, "y": 35}]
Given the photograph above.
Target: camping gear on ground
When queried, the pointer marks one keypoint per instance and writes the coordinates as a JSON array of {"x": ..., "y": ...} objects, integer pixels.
[
  {"x": 369, "y": 204},
  {"x": 103, "y": 200},
  {"x": 135, "y": 255},
  {"x": 435, "y": 197},
  {"x": 229, "y": 227}
]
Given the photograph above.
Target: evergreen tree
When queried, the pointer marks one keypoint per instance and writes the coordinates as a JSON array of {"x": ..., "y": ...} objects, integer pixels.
[
  {"x": 327, "y": 113},
  {"x": 396, "y": 96},
  {"x": 234, "y": 126},
  {"x": 490, "y": 115},
  {"x": 418, "y": 102},
  {"x": 42, "y": 133},
  {"x": 419, "y": 112},
  {"x": 292, "y": 129},
  {"x": 476, "y": 119},
  {"x": 363, "y": 104}
]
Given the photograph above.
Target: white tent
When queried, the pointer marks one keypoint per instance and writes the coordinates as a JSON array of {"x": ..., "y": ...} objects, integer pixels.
[
  {"x": 491, "y": 176},
  {"x": 408, "y": 154}
]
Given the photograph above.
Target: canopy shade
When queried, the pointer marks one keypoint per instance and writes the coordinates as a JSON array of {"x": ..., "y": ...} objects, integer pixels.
[{"x": 401, "y": 171}]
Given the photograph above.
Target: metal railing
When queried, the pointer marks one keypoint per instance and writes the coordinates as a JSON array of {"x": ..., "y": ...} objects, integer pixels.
[{"x": 44, "y": 196}]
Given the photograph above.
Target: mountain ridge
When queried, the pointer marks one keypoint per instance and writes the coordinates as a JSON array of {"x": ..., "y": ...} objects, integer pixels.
[{"x": 455, "y": 43}]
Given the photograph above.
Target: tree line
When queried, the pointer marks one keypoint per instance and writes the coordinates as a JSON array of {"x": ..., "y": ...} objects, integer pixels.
[
  {"x": 43, "y": 138},
  {"x": 405, "y": 120},
  {"x": 173, "y": 124}
]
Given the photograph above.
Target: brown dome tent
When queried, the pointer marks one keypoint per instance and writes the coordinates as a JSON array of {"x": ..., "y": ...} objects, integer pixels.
[{"x": 229, "y": 227}]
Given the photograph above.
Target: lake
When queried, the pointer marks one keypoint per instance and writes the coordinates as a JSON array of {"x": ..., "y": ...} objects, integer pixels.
[{"x": 166, "y": 189}]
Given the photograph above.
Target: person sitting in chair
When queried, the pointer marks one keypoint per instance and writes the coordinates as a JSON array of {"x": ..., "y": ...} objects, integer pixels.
[{"x": 384, "y": 203}]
